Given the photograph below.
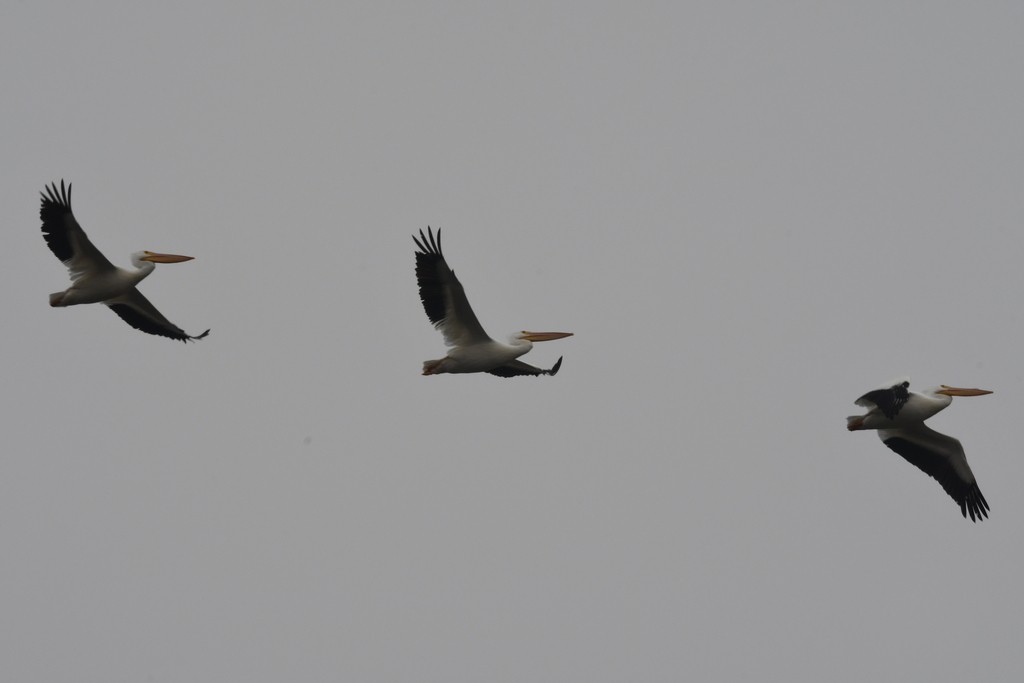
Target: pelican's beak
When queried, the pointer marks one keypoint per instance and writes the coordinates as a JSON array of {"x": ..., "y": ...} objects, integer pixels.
[
  {"x": 165, "y": 258},
  {"x": 956, "y": 391},
  {"x": 543, "y": 336}
]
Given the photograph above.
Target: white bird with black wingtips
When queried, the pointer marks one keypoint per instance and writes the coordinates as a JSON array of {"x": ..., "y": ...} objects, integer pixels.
[
  {"x": 446, "y": 306},
  {"x": 94, "y": 278},
  {"x": 899, "y": 414}
]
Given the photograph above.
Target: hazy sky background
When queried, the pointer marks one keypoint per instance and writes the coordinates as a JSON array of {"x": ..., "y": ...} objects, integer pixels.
[{"x": 748, "y": 213}]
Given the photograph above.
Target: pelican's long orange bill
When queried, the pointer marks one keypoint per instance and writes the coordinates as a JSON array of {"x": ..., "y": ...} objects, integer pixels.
[
  {"x": 165, "y": 258},
  {"x": 957, "y": 391},
  {"x": 544, "y": 336}
]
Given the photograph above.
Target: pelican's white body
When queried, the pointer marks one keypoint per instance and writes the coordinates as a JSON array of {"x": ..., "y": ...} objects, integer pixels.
[
  {"x": 478, "y": 357},
  {"x": 99, "y": 285}
]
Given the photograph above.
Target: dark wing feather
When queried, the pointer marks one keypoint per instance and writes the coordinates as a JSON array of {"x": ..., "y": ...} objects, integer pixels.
[
  {"x": 442, "y": 295},
  {"x": 65, "y": 236},
  {"x": 927, "y": 450},
  {"x": 890, "y": 401},
  {"x": 136, "y": 310},
  {"x": 518, "y": 368}
]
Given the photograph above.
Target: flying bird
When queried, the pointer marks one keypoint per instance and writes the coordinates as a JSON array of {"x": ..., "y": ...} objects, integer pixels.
[
  {"x": 94, "y": 278},
  {"x": 473, "y": 351},
  {"x": 899, "y": 414}
]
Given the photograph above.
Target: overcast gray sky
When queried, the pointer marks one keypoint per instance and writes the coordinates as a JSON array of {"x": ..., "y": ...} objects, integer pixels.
[{"x": 748, "y": 213}]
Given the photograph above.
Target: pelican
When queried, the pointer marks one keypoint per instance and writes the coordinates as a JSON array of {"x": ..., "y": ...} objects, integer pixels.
[
  {"x": 899, "y": 414},
  {"x": 473, "y": 351},
  {"x": 94, "y": 278}
]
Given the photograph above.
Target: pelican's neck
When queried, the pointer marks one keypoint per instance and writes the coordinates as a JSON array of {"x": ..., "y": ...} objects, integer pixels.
[
  {"x": 939, "y": 400},
  {"x": 142, "y": 268},
  {"x": 516, "y": 347},
  {"x": 517, "y": 342},
  {"x": 929, "y": 403}
]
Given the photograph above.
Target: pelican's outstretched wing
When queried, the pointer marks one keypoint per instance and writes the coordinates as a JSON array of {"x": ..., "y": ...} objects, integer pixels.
[
  {"x": 942, "y": 458},
  {"x": 517, "y": 368},
  {"x": 890, "y": 400},
  {"x": 136, "y": 310},
  {"x": 442, "y": 295},
  {"x": 65, "y": 236}
]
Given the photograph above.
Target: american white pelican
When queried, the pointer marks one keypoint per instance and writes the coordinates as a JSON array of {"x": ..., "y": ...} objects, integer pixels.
[
  {"x": 94, "y": 278},
  {"x": 445, "y": 303},
  {"x": 899, "y": 414}
]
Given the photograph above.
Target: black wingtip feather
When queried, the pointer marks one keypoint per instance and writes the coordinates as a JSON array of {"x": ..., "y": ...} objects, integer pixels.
[
  {"x": 145, "y": 324},
  {"x": 427, "y": 243},
  {"x": 429, "y": 260},
  {"x": 517, "y": 368},
  {"x": 975, "y": 504},
  {"x": 966, "y": 494},
  {"x": 53, "y": 209}
]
